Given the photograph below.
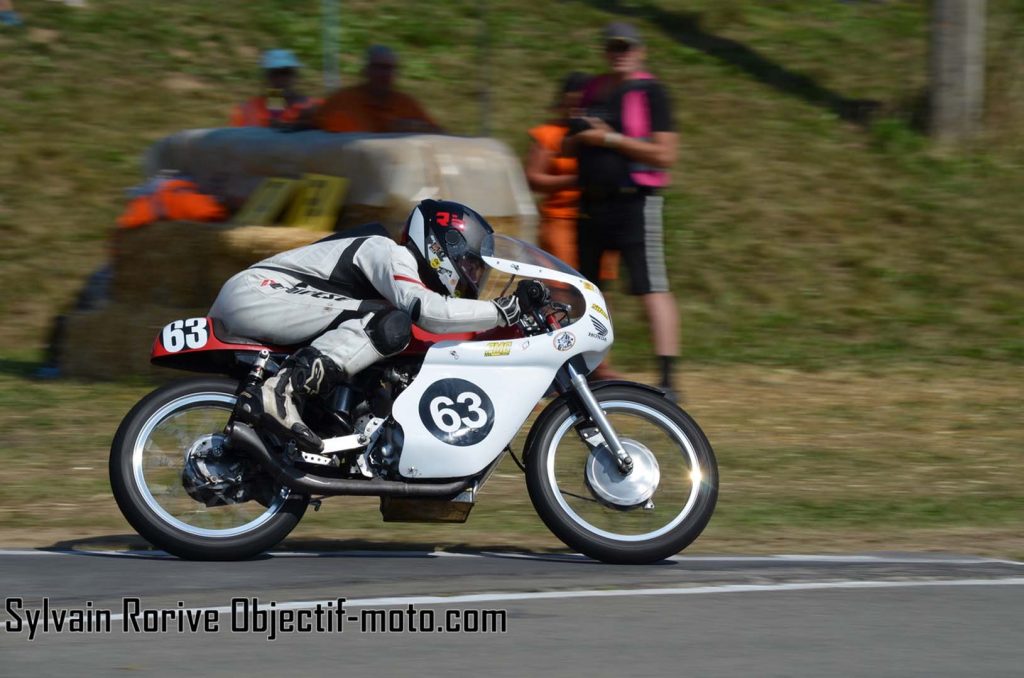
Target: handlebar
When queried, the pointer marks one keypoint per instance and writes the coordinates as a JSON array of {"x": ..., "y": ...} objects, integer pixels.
[{"x": 534, "y": 297}]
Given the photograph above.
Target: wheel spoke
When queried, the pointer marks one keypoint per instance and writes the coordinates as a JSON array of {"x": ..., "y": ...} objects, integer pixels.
[{"x": 577, "y": 496}]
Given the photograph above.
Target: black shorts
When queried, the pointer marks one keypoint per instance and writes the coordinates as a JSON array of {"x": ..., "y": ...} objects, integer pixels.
[{"x": 632, "y": 224}]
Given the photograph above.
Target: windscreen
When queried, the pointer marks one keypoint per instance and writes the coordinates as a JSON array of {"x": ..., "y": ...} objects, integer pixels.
[{"x": 500, "y": 283}]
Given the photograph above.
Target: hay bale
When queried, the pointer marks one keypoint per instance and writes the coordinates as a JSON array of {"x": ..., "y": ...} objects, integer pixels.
[
  {"x": 158, "y": 263},
  {"x": 183, "y": 264},
  {"x": 249, "y": 244},
  {"x": 392, "y": 218},
  {"x": 115, "y": 341}
]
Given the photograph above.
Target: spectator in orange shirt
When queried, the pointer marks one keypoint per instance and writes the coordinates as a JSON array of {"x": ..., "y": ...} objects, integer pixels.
[
  {"x": 553, "y": 174},
  {"x": 280, "y": 105},
  {"x": 374, "y": 105}
]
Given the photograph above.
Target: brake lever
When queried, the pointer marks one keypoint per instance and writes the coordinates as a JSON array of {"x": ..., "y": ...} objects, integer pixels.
[{"x": 564, "y": 308}]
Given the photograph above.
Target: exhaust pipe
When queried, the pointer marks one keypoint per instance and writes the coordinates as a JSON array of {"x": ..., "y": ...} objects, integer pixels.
[{"x": 244, "y": 438}]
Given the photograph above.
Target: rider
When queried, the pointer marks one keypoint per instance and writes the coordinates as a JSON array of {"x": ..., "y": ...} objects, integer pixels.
[{"x": 356, "y": 294}]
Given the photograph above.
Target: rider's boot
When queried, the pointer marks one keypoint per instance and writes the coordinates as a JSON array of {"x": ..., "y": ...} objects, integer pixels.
[{"x": 307, "y": 372}]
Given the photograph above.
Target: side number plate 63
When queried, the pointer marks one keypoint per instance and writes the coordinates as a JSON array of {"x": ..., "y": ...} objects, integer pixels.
[{"x": 191, "y": 333}]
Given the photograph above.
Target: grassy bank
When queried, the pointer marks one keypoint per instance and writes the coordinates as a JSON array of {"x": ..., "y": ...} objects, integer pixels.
[{"x": 809, "y": 222}]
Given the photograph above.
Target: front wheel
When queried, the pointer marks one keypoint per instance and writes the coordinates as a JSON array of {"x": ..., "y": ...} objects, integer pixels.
[
  {"x": 183, "y": 489},
  {"x": 646, "y": 516}
]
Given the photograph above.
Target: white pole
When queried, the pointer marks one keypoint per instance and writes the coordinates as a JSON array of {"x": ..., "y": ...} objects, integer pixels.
[
  {"x": 485, "y": 84},
  {"x": 957, "y": 68},
  {"x": 331, "y": 29}
]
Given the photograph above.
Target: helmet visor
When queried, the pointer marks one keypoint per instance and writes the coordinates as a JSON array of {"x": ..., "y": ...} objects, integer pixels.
[{"x": 472, "y": 270}]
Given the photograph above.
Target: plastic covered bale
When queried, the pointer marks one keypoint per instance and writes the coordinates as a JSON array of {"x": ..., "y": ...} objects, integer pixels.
[{"x": 388, "y": 174}]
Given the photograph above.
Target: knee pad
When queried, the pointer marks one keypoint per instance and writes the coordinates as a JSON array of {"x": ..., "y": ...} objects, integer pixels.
[{"x": 389, "y": 331}]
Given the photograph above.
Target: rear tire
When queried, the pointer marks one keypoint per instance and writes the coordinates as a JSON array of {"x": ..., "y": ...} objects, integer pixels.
[
  {"x": 680, "y": 507},
  {"x": 148, "y": 451}
]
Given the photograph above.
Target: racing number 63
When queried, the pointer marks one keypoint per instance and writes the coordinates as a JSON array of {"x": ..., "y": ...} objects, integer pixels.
[
  {"x": 176, "y": 338},
  {"x": 448, "y": 419}
]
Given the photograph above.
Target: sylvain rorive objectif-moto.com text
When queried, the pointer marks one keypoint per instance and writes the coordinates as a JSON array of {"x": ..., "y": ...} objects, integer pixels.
[{"x": 271, "y": 619}]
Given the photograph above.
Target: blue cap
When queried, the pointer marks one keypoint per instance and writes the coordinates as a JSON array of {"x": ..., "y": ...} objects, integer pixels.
[{"x": 274, "y": 59}]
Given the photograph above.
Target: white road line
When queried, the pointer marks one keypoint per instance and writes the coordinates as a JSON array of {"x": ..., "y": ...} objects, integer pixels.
[
  {"x": 851, "y": 559},
  {"x": 922, "y": 559},
  {"x": 498, "y": 597}
]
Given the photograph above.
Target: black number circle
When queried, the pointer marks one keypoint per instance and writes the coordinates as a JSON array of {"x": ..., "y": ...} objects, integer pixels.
[{"x": 456, "y": 412}]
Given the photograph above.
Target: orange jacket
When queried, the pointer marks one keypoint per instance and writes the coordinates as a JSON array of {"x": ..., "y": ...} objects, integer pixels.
[
  {"x": 564, "y": 203},
  {"x": 255, "y": 113},
  {"x": 355, "y": 109},
  {"x": 171, "y": 200}
]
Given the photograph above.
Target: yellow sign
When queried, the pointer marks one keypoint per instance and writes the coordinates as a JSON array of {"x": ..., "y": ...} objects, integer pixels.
[
  {"x": 496, "y": 348},
  {"x": 266, "y": 203},
  {"x": 316, "y": 206}
]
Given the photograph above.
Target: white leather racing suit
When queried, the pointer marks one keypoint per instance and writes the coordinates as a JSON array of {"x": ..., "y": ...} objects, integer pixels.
[{"x": 330, "y": 289}]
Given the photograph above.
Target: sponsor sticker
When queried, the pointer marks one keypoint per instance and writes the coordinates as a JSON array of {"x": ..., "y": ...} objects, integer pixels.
[
  {"x": 497, "y": 348},
  {"x": 589, "y": 286},
  {"x": 564, "y": 341},
  {"x": 600, "y": 311}
]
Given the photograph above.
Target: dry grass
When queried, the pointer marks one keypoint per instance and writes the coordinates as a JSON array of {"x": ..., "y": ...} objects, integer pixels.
[{"x": 905, "y": 459}]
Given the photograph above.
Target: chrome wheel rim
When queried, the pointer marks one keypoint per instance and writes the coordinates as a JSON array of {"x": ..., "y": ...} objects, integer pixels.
[
  {"x": 678, "y": 489},
  {"x": 158, "y": 457}
]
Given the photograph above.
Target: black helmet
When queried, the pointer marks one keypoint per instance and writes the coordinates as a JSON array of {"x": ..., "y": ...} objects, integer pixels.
[{"x": 448, "y": 240}]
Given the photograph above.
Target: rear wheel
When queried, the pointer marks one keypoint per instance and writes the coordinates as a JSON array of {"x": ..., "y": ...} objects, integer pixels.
[
  {"x": 183, "y": 490},
  {"x": 645, "y": 516}
]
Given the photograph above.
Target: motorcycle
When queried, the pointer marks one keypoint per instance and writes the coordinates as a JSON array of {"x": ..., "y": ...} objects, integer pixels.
[{"x": 613, "y": 468}]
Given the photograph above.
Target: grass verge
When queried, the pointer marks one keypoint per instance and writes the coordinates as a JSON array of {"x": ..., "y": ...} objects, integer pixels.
[{"x": 907, "y": 458}]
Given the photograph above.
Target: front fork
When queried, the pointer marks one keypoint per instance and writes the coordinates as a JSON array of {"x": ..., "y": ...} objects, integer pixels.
[{"x": 572, "y": 379}]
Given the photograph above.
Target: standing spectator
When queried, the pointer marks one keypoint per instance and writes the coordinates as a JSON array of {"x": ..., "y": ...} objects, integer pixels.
[
  {"x": 374, "y": 105},
  {"x": 8, "y": 17},
  {"x": 280, "y": 105},
  {"x": 554, "y": 174},
  {"x": 625, "y": 146}
]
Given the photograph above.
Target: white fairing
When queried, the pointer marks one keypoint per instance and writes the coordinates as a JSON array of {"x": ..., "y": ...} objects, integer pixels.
[{"x": 480, "y": 393}]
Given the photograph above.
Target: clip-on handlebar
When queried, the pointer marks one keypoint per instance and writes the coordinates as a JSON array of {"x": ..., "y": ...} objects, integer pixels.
[{"x": 534, "y": 297}]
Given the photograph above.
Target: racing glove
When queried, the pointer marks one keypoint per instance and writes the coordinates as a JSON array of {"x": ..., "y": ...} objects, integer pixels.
[{"x": 508, "y": 310}]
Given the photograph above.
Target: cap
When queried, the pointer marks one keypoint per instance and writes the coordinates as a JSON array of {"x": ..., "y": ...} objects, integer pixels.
[
  {"x": 274, "y": 59},
  {"x": 382, "y": 55},
  {"x": 621, "y": 31}
]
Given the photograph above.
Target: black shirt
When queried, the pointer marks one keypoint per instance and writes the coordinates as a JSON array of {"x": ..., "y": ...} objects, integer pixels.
[{"x": 605, "y": 168}]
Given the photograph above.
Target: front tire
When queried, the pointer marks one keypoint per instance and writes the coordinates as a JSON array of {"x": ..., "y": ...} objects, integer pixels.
[
  {"x": 147, "y": 458},
  {"x": 565, "y": 498}
]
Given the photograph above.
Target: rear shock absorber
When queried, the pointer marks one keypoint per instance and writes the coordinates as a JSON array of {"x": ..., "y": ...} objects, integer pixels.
[{"x": 248, "y": 406}]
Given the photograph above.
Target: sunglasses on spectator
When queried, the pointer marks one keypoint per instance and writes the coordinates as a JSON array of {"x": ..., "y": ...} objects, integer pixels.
[{"x": 618, "y": 46}]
